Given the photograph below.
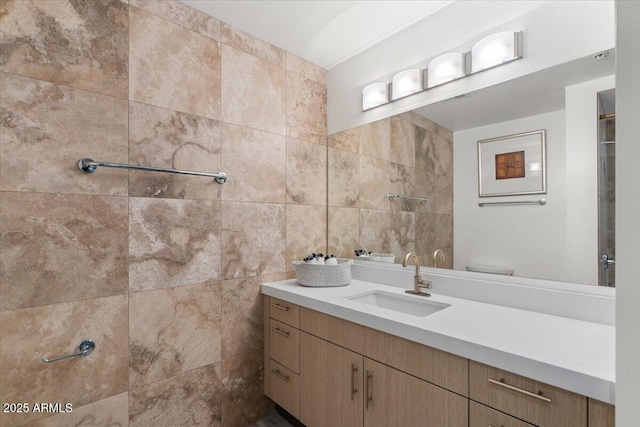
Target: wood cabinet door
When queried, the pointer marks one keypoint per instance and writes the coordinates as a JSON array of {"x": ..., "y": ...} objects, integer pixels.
[
  {"x": 395, "y": 399},
  {"x": 331, "y": 384}
]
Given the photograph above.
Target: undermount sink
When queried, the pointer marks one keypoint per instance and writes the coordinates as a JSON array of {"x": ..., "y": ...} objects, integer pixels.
[{"x": 406, "y": 304}]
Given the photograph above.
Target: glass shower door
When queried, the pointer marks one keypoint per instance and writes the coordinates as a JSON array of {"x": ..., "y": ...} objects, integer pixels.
[{"x": 606, "y": 191}]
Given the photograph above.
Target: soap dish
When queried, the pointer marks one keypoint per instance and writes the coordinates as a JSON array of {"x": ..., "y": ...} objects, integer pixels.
[{"x": 316, "y": 276}]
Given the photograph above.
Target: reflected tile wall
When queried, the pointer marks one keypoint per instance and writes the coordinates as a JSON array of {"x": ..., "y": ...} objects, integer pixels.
[{"x": 183, "y": 347}]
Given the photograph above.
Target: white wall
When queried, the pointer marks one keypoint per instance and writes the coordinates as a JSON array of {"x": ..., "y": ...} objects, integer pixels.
[
  {"x": 528, "y": 239},
  {"x": 554, "y": 32},
  {"x": 627, "y": 214},
  {"x": 581, "y": 102}
]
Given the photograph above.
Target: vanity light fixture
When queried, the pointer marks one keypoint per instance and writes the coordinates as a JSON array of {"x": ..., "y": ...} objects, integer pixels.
[
  {"x": 445, "y": 68},
  {"x": 494, "y": 50},
  {"x": 374, "y": 95},
  {"x": 406, "y": 83}
]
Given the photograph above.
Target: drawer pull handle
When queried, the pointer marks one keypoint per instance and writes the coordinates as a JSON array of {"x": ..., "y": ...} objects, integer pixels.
[
  {"x": 279, "y": 375},
  {"x": 501, "y": 383},
  {"x": 367, "y": 398},
  {"x": 354, "y": 390},
  {"x": 281, "y": 307},
  {"x": 283, "y": 333}
]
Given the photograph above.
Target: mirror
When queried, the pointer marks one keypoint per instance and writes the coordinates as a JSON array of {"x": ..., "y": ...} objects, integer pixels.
[{"x": 432, "y": 152}]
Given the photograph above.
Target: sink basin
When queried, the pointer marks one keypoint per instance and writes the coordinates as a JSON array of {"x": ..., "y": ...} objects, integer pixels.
[{"x": 413, "y": 305}]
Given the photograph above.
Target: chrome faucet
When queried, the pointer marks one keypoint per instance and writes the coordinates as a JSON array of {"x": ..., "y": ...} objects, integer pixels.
[
  {"x": 418, "y": 284},
  {"x": 443, "y": 258}
]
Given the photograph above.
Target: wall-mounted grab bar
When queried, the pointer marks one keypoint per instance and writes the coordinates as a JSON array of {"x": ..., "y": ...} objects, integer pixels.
[
  {"x": 90, "y": 166},
  {"x": 541, "y": 202},
  {"x": 422, "y": 200},
  {"x": 84, "y": 349}
]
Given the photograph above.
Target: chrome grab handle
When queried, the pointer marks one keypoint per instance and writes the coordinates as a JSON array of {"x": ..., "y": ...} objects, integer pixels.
[
  {"x": 279, "y": 375},
  {"x": 276, "y": 305},
  {"x": 283, "y": 333},
  {"x": 354, "y": 390},
  {"x": 367, "y": 398},
  {"x": 502, "y": 383},
  {"x": 84, "y": 349}
]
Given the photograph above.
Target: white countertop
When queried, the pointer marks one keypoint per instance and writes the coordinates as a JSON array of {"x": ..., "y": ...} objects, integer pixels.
[{"x": 572, "y": 354}]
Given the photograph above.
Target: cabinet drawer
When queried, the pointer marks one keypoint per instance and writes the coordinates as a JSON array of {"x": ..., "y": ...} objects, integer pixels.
[
  {"x": 284, "y": 345},
  {"x": 482, "y": 416},
  {"x": 284, "y": 311},
  {"x": 524, "y": 398},
  {"x": 284, "y": 387}
]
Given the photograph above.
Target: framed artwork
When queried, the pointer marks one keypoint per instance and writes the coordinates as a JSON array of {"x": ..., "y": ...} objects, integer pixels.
[{"x": 512, "y": 165}]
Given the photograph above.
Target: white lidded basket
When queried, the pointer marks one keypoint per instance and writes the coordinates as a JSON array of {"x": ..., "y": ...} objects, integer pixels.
[{"x": 317, "y": 276}]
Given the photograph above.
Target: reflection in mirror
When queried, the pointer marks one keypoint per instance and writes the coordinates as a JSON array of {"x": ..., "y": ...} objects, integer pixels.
[{"x": 431, "y": 152}]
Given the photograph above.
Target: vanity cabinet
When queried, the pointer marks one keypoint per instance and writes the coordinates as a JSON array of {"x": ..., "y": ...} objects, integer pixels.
[{"x": 601, "y": 414}]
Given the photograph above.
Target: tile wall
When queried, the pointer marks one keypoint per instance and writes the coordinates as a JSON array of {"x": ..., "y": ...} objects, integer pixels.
[
  {"x": 404, "y": 154},
  {"x": 161, "y": 271}
]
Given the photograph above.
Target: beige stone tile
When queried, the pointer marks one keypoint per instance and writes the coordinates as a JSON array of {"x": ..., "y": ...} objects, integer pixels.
[
  {"x": 434, "y": 152},
  {"x": 172, "y": 67},
  {"x": 343, "y": 178},
  {"x": 253, "y": 239},
  {"x": 242, "y": 311},
  {"x": 244, "y": 401},
  {"x": 179, "y": 13},
  {"x": 170, "y": 139},
  {"x": 375, "y": 230},
  {"x": 344, "y": 226},
  {"x": 54, "y": 330},
  {"x": 46, "y": 129},
  {"x": 306, "y": 69},
  {"x": 348, "y": 140},
  {"x": 306, "y": 173},
  {"x": 306, "y": 109},
  {"x": 112, "y": 411},
  {"x": 375, "y": 139},
  {"x": 374, "y": 183},
  {"x": 78, "y": 44},
  {"x": 438, "y": 190},
  {"x": 402, "y": 233},
  {"x": 57, "y": 248},
  {"x": 253, "y": 92},
  {"x": 173, "y": 331},
  {"x": 423, "y": 122},
  {"x": 401, "y": 181},
  {"x": 306, "y": 232},
  {"x": 192, "y": 398},
  {"x": 403, "y": 141},
  {"x": 255, "y": 164},
  {"x": 435, "y": 231},
  {"x": 173, "y": 242},
  {"x": 247, "y": 43}
]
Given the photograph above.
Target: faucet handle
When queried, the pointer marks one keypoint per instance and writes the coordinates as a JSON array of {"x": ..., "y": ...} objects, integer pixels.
[{"x": 425, "y": 284}]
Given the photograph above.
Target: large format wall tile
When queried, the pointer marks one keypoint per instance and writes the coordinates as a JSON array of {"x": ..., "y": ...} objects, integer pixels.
[
  {"x": 375, "y": 139},
  {"x": 435, "y": 231},
  {"x": 173, "y": 331},
  {"x": 375, "y": 233},
  {"x": 173, "y": 67},
  {"x": 242, "y": 314},
  {"x": 244, "y": 400},
  {"x": 83, "y": 44},
  {"x": 249, "y": 179},
  {"x": 191, "y": 399},
  {"x": 374, "y": 183},
  {"x": 306, "y": 69},
  {"x": 348, "y": 140},
  {"x": 401, "y": 181},
  {"x": 306, "y": 173},
  {"x": 165, "y": 138},
  {"x": 253, "y": 239},
  {"x": 343, "y": 226},
  {"x": 110, "y": 412},
  {"x": 343, "y": 178},
  {"x": 46, "y": 129},
  {"x": 54, "y": 330},
  {"x": 253, "y": 92},
  {"x": 434, "y": 152},
  {"x": 402, "y": 233},
  {"x": 438, "y": 189},
  {"x": 306, "y": 232},
  {"x": 402, "y": 141},
  {"x": 306, "y": 109},
  {"x": 173, "y": 242},
  {"x": 57, "y": 248},
  {"x": 181, "y": 14},
  {"x": 247, "y": 43}
]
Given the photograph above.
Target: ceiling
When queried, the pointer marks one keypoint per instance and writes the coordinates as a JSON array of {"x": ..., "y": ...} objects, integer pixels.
[{"x": 325, "y": 33}]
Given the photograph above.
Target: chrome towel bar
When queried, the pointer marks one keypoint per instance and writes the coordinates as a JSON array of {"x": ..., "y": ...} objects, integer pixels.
[
  {"x": 422, "y": 200},
  {"x": 84, "y": 349},
  {"x": 541, "y": 202},
  {"x": 90, "y": 166}
]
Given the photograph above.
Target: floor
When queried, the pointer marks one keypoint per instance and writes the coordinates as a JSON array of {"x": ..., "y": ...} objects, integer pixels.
[{"x": 272, "y": 420}]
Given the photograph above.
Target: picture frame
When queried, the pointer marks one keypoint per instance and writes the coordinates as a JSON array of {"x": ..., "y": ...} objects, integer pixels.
[{"x": 512, "y": 165}]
